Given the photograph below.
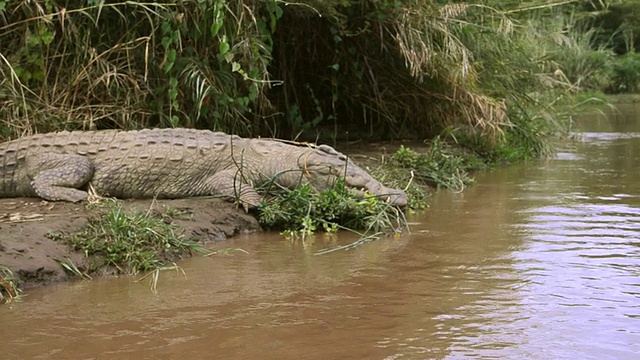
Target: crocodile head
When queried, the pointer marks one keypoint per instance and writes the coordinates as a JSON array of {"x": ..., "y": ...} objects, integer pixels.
[{"x": 324, "y": 165}]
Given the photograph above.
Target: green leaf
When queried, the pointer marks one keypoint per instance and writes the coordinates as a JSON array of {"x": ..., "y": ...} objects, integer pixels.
[
  {"x": 166, "y": 27},
  {"x": 171, "y": 60},
  {"x": 166, "y": 42},
  {"x": 47, "y": 37},
  {"x": 173, "y": 94},
  {"x": 278, "y": 11},
  {"x": 33, "y": 40},
  {"x": 171, "y": 56},
  {"x": 224, "y": 48},
  {"x": 215, "y": 28},
  {"x": 253, "y": 91}
]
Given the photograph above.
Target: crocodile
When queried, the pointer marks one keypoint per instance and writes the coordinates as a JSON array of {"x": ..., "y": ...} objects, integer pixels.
[{"x": 172, "y": 163}]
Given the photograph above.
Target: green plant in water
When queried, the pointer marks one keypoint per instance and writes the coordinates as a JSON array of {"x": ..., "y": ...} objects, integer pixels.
[
  {"x": 302, "y": 212},
  {"x": 131, "y": 241},
  {"x": 154, "y": 275},
  {"x": 9, "y": 290}
]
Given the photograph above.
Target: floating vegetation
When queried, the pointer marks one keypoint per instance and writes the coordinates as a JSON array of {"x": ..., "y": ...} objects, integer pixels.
[{"x": 154, "y": 275}]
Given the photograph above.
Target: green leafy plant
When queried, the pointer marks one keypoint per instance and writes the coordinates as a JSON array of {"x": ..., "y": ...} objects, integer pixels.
[
  {"x": 439, "y": 167},
  {"x": 625, "y": 73},
  {"x": 302, "y": 212}
]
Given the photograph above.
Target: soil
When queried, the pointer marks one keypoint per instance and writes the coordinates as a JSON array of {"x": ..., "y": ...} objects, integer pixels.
[{"x": 31, "y": 255}]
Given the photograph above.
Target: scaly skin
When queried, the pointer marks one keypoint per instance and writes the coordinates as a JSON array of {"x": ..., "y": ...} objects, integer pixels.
[{"x": 170, "y": 163}]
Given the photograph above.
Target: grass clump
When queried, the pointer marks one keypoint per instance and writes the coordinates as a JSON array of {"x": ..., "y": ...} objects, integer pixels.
[
  {"x": 441, "y": 166},
  {"x": 130, "y": 241},
  {"x": 9, "y": 283},
  {"x": 302, "y": 212}
]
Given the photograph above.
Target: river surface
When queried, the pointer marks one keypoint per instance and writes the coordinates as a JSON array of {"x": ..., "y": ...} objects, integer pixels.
[{"x": 537, "y": 261}]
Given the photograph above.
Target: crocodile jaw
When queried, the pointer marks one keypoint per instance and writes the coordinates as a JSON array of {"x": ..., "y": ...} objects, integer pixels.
[
  {"x": 324, "y": 174},
  {"x": 395, "y": 197}
]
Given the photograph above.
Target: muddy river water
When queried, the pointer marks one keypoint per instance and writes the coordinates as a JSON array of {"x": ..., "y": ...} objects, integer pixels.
[{"x": 537, "y": 261}]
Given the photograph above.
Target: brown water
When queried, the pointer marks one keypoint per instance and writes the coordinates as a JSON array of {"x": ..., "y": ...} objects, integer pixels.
[{"x": 539, "y": 261}]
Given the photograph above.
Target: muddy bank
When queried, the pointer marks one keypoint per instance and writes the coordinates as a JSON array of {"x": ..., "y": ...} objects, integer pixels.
[{"x": 30, "y": 254}]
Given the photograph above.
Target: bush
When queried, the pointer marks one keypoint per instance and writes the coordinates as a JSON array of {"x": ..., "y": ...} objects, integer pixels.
[
  {"x": 625, "y": 74},
  {"x": 93, "y": 64}
]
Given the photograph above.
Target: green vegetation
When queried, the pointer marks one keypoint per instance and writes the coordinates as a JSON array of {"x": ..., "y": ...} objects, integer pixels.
[
  {"x": 128, "y": 241},
  {"x": 618, "y": 23},
  {"x": 9, "y": 283},
  {"x": 616, "y": 27},
  {"x": 442, "y": 166},
  {"x": 625, "y": 74},
  {"x": 301, "y": 212}
]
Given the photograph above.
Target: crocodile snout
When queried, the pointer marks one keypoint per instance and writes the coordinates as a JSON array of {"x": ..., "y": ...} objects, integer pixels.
[
  {"x": 398, "y": 198},
  {"x": 395, "y": 197}
]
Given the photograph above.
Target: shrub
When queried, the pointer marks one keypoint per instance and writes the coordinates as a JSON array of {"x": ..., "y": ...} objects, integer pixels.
[{"x": 625, "y": 73}]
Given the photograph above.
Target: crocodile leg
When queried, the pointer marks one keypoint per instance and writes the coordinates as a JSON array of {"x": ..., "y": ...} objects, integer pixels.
[
  {"x": 58, "y": 177},
  {"x": 231, "y": 185}
]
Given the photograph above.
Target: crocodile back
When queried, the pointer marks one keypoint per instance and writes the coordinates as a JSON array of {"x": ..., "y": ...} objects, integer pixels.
[{"x": 128, "y": 164}]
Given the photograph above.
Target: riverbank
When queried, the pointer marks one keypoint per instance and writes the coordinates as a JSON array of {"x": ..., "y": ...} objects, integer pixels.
[
  {"x": 30, "y": 252},
  {"x": 32, "y": 256}
]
